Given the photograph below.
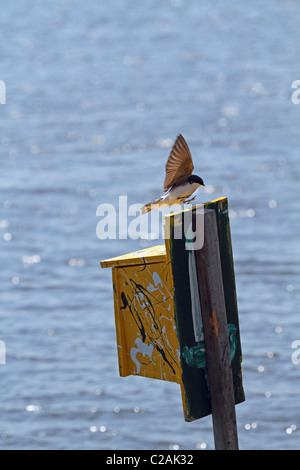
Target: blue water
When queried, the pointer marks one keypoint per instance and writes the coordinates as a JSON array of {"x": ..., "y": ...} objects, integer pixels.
[{"x": 95, "y": 94}]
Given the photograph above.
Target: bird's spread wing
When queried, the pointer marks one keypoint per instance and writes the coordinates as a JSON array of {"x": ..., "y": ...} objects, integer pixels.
[{"x": 179, "y": 165}]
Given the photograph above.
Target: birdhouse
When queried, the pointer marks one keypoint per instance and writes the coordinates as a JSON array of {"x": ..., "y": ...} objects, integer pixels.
[
  {"x": 144, "y": 314},
  {"x": 159, "y": 306}
]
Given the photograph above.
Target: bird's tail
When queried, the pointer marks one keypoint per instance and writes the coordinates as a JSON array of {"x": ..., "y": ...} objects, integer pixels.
[
  {"x": 151, "y": 205},
  {"x": 147, "y": 208}
]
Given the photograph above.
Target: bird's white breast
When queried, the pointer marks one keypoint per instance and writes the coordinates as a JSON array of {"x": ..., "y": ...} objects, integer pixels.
[{"x": 178, "y": 192}]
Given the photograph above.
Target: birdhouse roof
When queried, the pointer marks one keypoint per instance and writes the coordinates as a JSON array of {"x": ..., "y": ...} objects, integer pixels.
[{"x": 153, "y": 254}]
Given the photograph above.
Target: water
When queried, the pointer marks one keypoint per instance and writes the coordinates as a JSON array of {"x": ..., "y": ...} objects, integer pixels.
[{"x": 95, "y": 94}]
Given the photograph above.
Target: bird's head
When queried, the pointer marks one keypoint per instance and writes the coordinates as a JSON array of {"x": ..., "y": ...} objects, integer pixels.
[{"x": 196, "y": 179}]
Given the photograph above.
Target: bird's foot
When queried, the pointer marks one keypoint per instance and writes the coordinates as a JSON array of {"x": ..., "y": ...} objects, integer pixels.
[{"x": 187, "y": 201}]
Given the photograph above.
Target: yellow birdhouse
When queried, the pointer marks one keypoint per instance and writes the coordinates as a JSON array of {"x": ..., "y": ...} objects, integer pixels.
[{"x": 144, "y": 314}]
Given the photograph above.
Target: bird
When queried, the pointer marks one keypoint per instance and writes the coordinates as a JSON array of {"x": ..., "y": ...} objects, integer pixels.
[{"x": 179, "y": 183}]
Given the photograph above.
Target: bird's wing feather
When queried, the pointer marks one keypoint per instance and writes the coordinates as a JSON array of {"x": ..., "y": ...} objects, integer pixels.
[{"x": 179, "y": 165}]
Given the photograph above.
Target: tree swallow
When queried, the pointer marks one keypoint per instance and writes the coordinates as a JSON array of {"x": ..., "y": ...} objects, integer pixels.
[{"x": 179, "y": 182}]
